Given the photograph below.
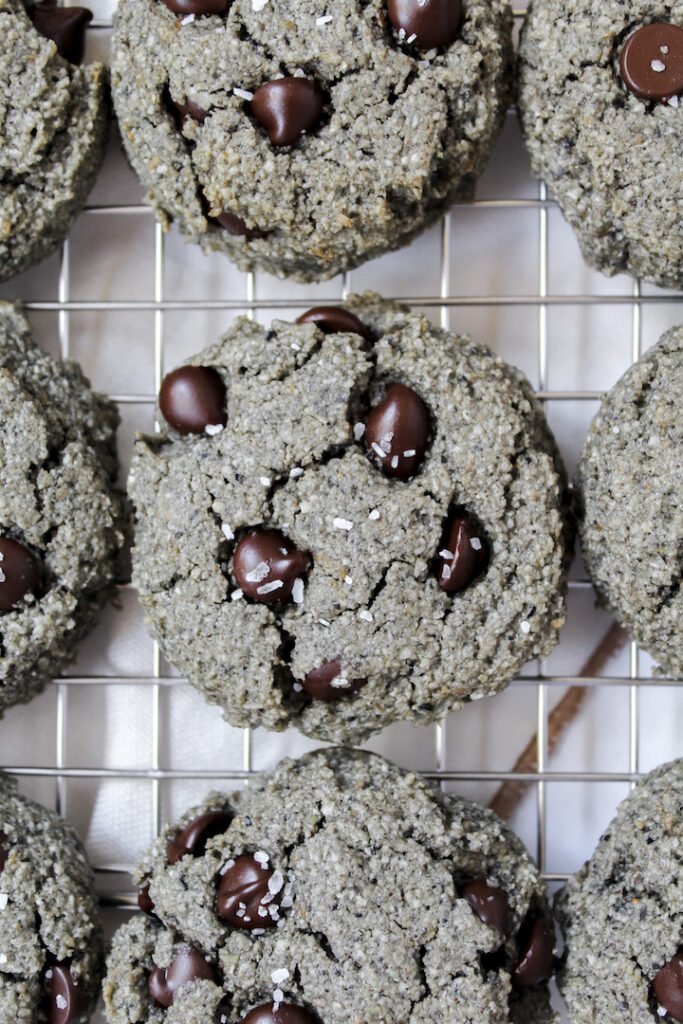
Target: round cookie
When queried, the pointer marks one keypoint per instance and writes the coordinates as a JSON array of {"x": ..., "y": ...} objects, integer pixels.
[
  {"x": 343, "y": 886},
  {"x": 622, "y": 913},
  {"x": 51, "y": 948},
  {"x": 630, "y": 487},
  {"x": 53, "y": 125},
  {"x": 303, "y": 138},
  {"x": 610, "y": 155},
  {"x": 282, "y": 563},
  {"x": 60, "y": 519}
]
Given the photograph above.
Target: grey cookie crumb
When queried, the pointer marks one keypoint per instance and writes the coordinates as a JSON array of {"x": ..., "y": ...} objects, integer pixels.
[
  {"x": 630, "y": 487},
  {"x": 612, "y": 161},
  {"x": 376, "y": 931}
]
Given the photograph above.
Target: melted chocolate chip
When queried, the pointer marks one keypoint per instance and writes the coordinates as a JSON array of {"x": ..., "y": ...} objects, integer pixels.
[
  {"x": 286, "y": 1013},
  {"x": 427, "y": 24},
  {"x": 4, "y": 849},
  {"x": 192, "y": 398},
  {"x": 187, "y": 965},
  {"x": 651, "y": 61},
  {"x": 335, "y": 320},
  {"x": 668, "y": 986},
  {"x": 67, "y": 1002},
  {"x": 490, "y": 903},
  {"x": 19, "y": 573},
  {"x": 194, "y": 837},
  {"x": 267, "y": 564},
  {"x": 244, "y": 895},
  {"x": 234, "y": 225},
  {"x": 288, "y": 107},
  {"x": 535, "y": 947},
  {"x": 190, "y": 111},
  {"x": 145, "y": 902},
  {"x": 198, "y": 7},
  {"x": 397, "y": 432},
  {"x": 65, "y": 26},
  {"x": 463, "y": 555},
  {"x": 328, "y": 683}
]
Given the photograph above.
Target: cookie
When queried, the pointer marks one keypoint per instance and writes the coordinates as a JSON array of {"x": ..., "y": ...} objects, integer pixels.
[
  {"x": 630, "y": 487},
  {"x": 344, "y": 889},
  {"x": 349, "y": 521},
  {"x": 53, "y": 126},
  {"x": 51, "y": 948},
  {"x": 303, "y": 138},
  {"x": 599, "y": 98},
  {"x": 622, "y": 913},
  {"x": 60, "y": 518}
]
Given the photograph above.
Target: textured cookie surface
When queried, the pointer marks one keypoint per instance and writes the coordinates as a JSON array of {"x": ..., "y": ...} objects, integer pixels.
[
  {"x": 612, "y": 160},
  {"x": 50, "y": 936},
  {"x": 53, "y": 124},
  {"x": 58, "y": 465},
  {"x": 622, "y": 914},
  {"x": 372, "y": 927},
  {"x": 289, "y": 459},
  {"x": 403, "y": 132},
  {"x": 630, "y": 480}
]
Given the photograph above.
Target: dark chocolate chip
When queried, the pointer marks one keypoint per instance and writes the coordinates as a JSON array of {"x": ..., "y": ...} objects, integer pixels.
[
  {"x": 335, "y": 320},
  {"x": 192, "y": 398},
  {"x": 668, "y": 986},
  {"x": 490, "y": 903},
  {"x": 234, "y": 225},
  {"x": 244, "y": 895},
  {"x": 191, "y": 111},
  {"x": 651, "y": 61},
  {"x": 145, "y": 901},
  {"x": 286, "y": 1013},
  {"x": 463, "y": 555},
  {"x": 194, "y": 837},
  {"x": 65, "y": 26},
  {"x": 188, "y": 965},
  {"x": 535, "y": 949},
  {"x": 427, "y": 24},
  {"x": 397, "y": 432},
  {"x": 267, "y": 564},
  {"x": 19, "y": 573},
  {"x": 324, "y": 683},
  {"x": 4, "y": 849},
  {"x": 198, "y": 7},
  {"x": 67, "y": 1003},
  {"x": 288, "y": 107}
]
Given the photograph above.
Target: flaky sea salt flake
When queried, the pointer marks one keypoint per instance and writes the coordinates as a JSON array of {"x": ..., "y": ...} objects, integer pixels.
[{"x": 342, "y": 524}]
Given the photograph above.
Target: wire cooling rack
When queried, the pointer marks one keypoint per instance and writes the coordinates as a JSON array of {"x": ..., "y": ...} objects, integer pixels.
[{"x": 505, "y": 267}]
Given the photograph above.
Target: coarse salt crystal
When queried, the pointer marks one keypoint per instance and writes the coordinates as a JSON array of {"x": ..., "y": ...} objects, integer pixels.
[
  {"x": 394, "y": 462},
  {"x": 374, "y": 514},
  {"x": 213, "y": 428},
  {"x": 298, "y": 591},
  {"x": 297, "y": 348},
  {"x": 340, "y": 683},
  {"x": 275, "y": 883},
  {"x": 258, "y": 574},
  {"x": 377, "y": 450},
  {"x": 188, "y": 19},
  {"x": 299, "y": 73},
  {"x": 658, "y": 65},
  {"x": 3, "y": 578},
  {"x": 243, "y": 94},
  {"x": 323, "y": 622},
  {"x": 412, "y": 38},
  {"x": 358, "y": 430},
  {"x": 297, "y": 687},
  {"x": 279, "y": 975},
  {"x": 324, "y": 19},
  {"x": 227, "y": 531},
  {"x": 663, "y": 49},
  {"x": 3, "y": 900},
  {"x": 348, "y": 580},
  {"x": 365, "y": 616},
  {"x": 268, "y": 588},
  {"x": 294, "y": 473},
  {"x": 342, "y": 524},
  {"x": 258, "y": 5},
  {"x": 445, "y": 553},
  {"x": 673, "y": 101},
  {"x": 446, "y": 572},
  {"x": 236, "y": 594},
  {"x": 265, "y": 481},
  {"x": 475, "y": 543},
  {"x": 525, "y": 626},
  {"x": 261, "y": 857},
  {"x": 60, "y": 1001},
  {"x": 3, "y": 958},
  {"x": 408, "y": 454}
]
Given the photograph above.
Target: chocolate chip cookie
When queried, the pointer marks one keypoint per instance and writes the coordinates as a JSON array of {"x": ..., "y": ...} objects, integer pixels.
[
  {"x": 622, "y": 913},
  {"x": 337, "y": 889},
  {"x": 349, "y": 520},
  {"x": 630, "y": 485},
  {"x": 50, "y": 937},
  {"x": 60, "y": 517},
  {"x": 600, "y": 100},
  {"x": 303, "y": 137},
  {"x": 53, "y": 124}
]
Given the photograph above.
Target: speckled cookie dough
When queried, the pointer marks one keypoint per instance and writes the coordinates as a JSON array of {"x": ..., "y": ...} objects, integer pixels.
[
  {"x": 53, "y": 124},
  {"x": 622, "y": 913},
  {"x": 396, "y": 125},
  {"x": 630, "y": 485},
  {"x": 346, "y": 887},
  {"x": 611, "y": 157},
  {"x": 364, "y": 603},
  {"x": 59, "y": 516},
  {"x": 50, "y": 937}
]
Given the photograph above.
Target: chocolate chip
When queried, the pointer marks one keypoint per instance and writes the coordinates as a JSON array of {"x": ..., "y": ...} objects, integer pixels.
[
  {"x": 427, "y": 24},
  {"x": 234, "y": 225},
  {"x": 288, "y": 107},
  {"x": 4, "y": 849},
  {"x": 190, "y": 111},
  {"x": 145, "y": 901},
  {"x": 535, "y": 948},
  {"x": 244, "y": 894},
  {"x": 194, "y": 837},
  {"x": 187, "y": 965},
  {"x": 267, "y": 564},
  {"x": 19, "y": 573},
  {"x": 198, "y": 7},
  {"x": 490, "y": 903},
  {"x": 67, "y": 1003},
  {"x": 668, "y": 986},
  {"x": 335, "y": 320},
  {"x": 397, "y": 432},
  {"x": 286, "y": 1013},
  {"x": 463, "y": 554},
  {"x": 192, "y": 398},
  {"x": 327, "y": 682},
  {"x": 65, "y": 26},
  {"x": 651, "y": 61}
]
